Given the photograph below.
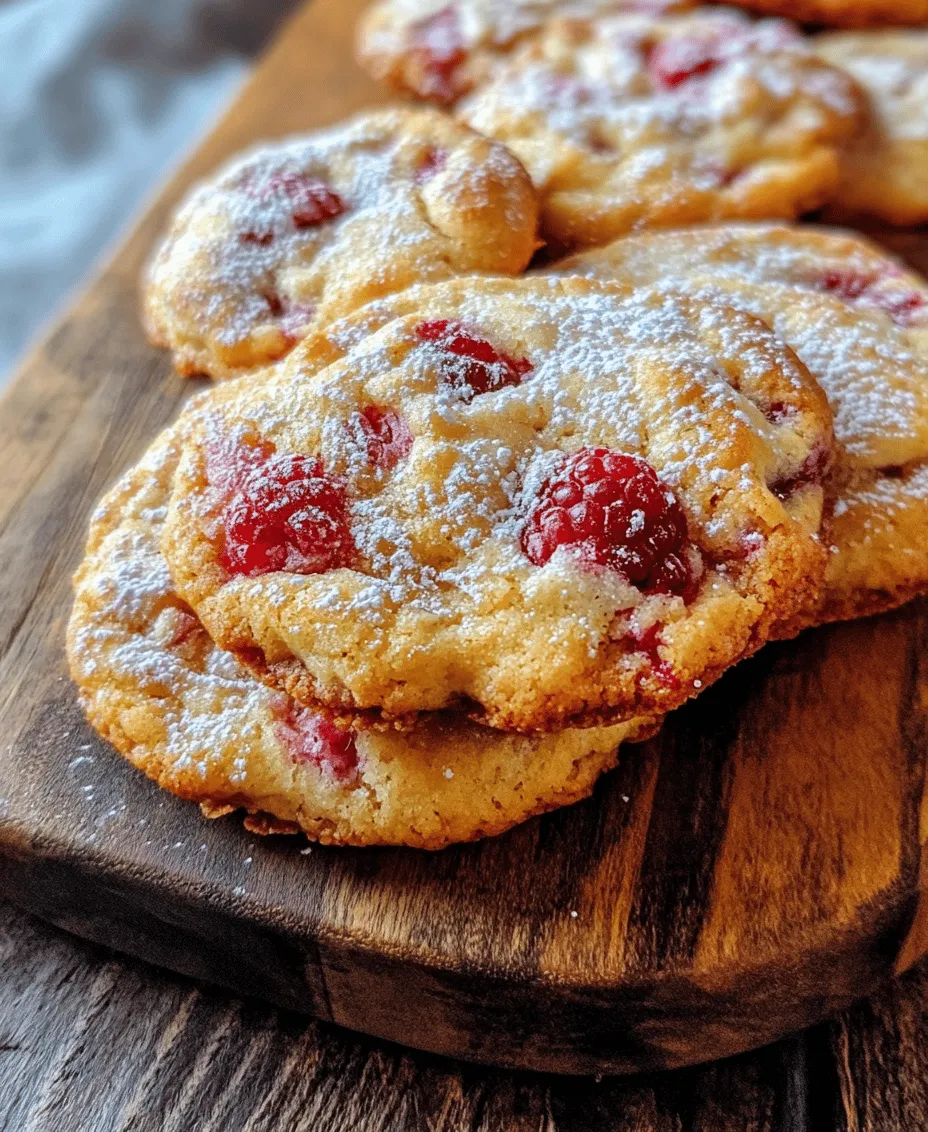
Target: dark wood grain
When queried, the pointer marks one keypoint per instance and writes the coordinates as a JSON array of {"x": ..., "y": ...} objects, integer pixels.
[
  {"x": 94, "y": 1043},
  {"x": 753, "y": 870}
]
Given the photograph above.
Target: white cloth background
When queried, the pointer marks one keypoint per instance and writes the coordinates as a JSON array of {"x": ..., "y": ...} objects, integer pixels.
[{"x": 97, "y": 99}]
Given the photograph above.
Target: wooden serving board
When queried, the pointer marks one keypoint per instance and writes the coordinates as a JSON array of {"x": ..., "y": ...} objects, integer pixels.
[{"x": 753, "y": 869}]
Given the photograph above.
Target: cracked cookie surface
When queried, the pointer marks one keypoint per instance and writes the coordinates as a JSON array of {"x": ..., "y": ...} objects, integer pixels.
[
  {"x": 191, "y": 718},
  {"x": 544, "y": 503},
  {"x": 634, "y": 121},
  {"x": 885, "y": 171},
  {"x": 292, "y": 235},
  {"x": 859, "y": 320}
]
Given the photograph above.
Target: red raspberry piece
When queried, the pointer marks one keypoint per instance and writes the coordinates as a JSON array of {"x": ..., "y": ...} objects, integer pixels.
[
  {"x": 295, "y": 318},
  {"x": 311, "y": 201},
  {"x": 311, "y": 738},
  {"x": 847, "y": 284},
  {"x": 432, "y": 161},
  {"x": 674, "y": 61},
  {"x": 274, "y": 302},
  {"x": 438, "y": 51},
  {"x": 387, "y": 434},
  {"x": 647, "y": 643},
  {"x": 284, "y": 513},
  {"x": 812, "y": 471},
  {"x": 778, "y": 412},
  {"x": 850, "y": 284},
  {"x": 262, "y": 239},
  {"x": 185, "y": 628},
  {"x": 902, "y": 306},
  {"x": 614, "y": 511},
  {"x": 471, "y": 365}
]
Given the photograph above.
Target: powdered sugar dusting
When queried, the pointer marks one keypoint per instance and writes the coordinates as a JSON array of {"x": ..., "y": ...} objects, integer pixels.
[
  {"x": 183, "y": 711},
  {"x": 871, "y": 365},
  {"x": 587, "y": 110},
  {"x": 291, "y": 234},
  {"x": 439, "y": 535}
]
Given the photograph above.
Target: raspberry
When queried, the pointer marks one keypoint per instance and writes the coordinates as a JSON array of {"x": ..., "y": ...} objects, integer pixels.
[
  {"x": 432, "y": 161},
  {"x": 902, "y": 308},
  {"x": 846, "y": 284},
  {"x": 262, "y": 239},
  {"x": 647, "y": 642},
  {"x": 812, "y": 471},
  {"x": 849, "y": 284},
  {"x": 311, "y": 738},
  {"x": 184, "y": 626},
  {"x": 283, "y": 513},
  {"x": 674, "y": 61},
  {"x": 387, "y": 434},
  {"x": 438, "y": 50},
  {"x": 613, "y": 510},
  {"x": 312, "y": 201},
  {"x": 470, "y": 364},
  {"x": 777, "y": 412},
  {"x": 296, "y": 318}
]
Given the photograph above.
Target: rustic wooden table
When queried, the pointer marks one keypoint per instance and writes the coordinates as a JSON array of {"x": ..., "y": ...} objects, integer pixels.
[{"x": 91, "y": 1042}]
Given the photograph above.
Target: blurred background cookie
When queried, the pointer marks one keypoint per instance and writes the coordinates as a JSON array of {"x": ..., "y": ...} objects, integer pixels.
[
  {"x": 439, "y": 51},
  {"x": 292, "y": 235},
  {"x": 885, "y": 173},
  {"x": 635, "y": 121}
]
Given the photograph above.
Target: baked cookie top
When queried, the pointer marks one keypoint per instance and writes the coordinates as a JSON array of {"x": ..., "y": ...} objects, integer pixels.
[
  {"x": 859, "y": 321},
  {"x": 886, "y": 170},
  {"x": 291, "y": 235},
  {"x": 439, "y": 51},
  {"x": 544, "y": 503},
  {"x": 635, "y": 121},
  {"x": 185, "y": 713}
]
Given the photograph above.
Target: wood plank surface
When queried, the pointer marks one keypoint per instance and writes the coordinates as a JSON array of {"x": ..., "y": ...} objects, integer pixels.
[
  {"x": 90, "y": 1042},
  {"x": 753, "y": 870}
]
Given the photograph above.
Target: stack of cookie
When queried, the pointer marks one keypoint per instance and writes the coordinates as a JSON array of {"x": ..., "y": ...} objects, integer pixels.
[{"x": 458, "y": 529}]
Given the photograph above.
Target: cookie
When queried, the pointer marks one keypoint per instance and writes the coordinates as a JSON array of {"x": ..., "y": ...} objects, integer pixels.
[
  {"x": 292, "y": 235},
  {"x": 542, "y": 503},
  {"x": 439, "y": 51},
  {"x": 859, "y": 321},
  {"x": 634, "y": 122},
  {"x": 187, "y": 715},
  {"x": 845, "y": 13},
  {"x": 886, "y": 170}
]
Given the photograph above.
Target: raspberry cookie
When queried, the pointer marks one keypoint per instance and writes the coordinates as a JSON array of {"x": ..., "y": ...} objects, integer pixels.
[
  {"x": 859, "y": 320},
  {"x": 635, "y": 122},
  {"x": 439, "y": 51},
  {"x": 544, "y": 503},
  {"x": 295, "y": 234},
  {"x": 182, "y": 711},
  {"x": 886, "y": 170}
]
